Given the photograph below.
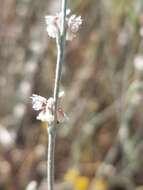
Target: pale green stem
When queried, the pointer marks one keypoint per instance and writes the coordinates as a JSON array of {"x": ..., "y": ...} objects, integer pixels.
[
  {"x": 60, "y": 41},
  {"x": 50, "y": 161}
]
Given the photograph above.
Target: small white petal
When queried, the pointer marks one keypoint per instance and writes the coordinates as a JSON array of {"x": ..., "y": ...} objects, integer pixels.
[
  {"x": 38, "y": 102},
  {"x": 50, "y": 103},
  {"x": 49, "y": 19},
  {"x": 61, "y": 94},
  {"x": 72, "y": 17},
  {"x": 68, "y": 11},
  {"x": 45, "y": 116},
  {"x": 52, "y": 31},
  {"x": 52, "y": 23}
]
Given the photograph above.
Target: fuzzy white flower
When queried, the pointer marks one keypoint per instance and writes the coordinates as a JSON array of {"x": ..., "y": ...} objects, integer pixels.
[
  {"x": 61, "y": 94},
  {"x": 53, "y": 23},
  {"x": 46, "y": 116},
  {"x": 38, "y": 102},
  {"x": 74, "y": 23},
  {"x": 46, "y": 108}
]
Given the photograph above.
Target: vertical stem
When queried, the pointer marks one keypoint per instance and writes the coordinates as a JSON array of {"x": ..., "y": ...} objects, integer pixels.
[
  {"x": 50, "y": 161},
  {"x": 60, "y": 41}
]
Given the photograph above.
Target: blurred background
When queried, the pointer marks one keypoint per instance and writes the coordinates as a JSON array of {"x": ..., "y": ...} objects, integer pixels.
[{"x": 101, "y": 147}]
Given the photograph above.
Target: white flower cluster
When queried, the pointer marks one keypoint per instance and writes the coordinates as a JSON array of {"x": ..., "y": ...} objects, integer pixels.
[
  {"x": 46, "y": 108},
  {"x": 53, "y": 23}
]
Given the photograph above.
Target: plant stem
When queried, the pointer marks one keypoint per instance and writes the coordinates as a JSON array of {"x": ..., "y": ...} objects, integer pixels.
[
  {"x": 50, "y": 161},
  {"x": 60, "y": 41}
]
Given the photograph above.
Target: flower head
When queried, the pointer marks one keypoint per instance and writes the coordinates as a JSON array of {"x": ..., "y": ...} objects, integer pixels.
[
  {"x": 53, "y": 23},
  {"x": 74, "y": 23},
  {"x": 46, "y": 116},
  {"x": 46, "y": 108},
  {"x": 38, "y": 102}
]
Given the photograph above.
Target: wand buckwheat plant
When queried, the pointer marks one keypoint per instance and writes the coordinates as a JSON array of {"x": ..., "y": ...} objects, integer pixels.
[{"x": 62, "y": 26}]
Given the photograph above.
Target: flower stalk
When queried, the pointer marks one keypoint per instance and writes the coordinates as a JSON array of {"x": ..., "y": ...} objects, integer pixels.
[
  {"x": 50, "y": 157},
  {"x": 62, "y": 27},
  {"x": 60, "y": 42}
]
